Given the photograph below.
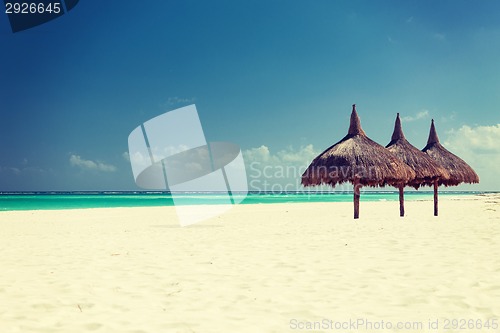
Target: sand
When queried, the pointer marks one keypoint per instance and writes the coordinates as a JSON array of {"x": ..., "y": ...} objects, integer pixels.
[{"x": 257, "y": 268}]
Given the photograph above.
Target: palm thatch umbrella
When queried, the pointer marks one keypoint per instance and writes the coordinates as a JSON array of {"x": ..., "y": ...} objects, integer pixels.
[
  {"x": 426, "y": 170},
  {"x": 359, "y": 160},
  {"x": 460, "y": 172}
]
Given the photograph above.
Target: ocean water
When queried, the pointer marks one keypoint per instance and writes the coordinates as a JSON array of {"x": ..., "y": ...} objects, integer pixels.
[{"x": 74, "y": 200}]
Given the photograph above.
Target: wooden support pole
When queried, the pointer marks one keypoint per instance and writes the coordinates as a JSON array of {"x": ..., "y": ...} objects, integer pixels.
[
  {"x": 357, "y": 186},
  {"x": 435, "y": 197},
  {"x": 401, "y": 201}
]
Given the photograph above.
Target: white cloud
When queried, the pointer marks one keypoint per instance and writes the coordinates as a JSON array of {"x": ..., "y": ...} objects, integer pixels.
[
  {"x": 126, "y": 156},
  {"x": 13, "y": 170},
  {"x": 255, "y": 154},
  {"x": 420, "y": 115},
  {"x": 478, "y": 146},
  {"x": 477, "y": 140},
  {"x": 161, "y": 152},
  {"x": 22, "y": 171},
  {"x": 449, "y": 117},
  {"x": 303, "y": 156},
  {"x": 280, "y": 171},
  {"x": 76, "y": 160},
  {"x": 172, "y": 101}
]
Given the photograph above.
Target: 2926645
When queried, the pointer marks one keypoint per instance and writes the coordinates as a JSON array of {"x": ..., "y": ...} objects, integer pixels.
[{"x": 32, "y": 8}]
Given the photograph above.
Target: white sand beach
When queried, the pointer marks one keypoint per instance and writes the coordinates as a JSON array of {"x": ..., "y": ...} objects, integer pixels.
[{"x": 257, "y": 268}]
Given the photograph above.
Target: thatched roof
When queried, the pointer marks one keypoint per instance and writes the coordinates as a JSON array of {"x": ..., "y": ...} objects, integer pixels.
[
  {"x": 357, "y": 157},
  {"x": 426, "y": 170},
  {"x": 460, "y": 172}
]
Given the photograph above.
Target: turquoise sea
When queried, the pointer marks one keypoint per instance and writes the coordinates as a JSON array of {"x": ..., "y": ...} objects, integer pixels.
[{"x": 73, "y": 200}]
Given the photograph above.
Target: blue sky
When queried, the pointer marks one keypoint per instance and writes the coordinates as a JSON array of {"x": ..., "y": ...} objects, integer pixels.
[{"x": 276, "y": 77}]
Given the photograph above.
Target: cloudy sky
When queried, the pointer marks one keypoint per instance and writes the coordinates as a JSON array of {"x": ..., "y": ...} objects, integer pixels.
[{"x": 276, "y": 77}]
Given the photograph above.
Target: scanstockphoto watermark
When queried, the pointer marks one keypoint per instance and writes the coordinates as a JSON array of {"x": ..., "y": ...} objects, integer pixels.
[
  {"x": 358, "y": 324},
  {"x": 341, "y": 172},
  {"x": 287, "y": 178},
  {"x": 170, "y": 151},
  {"x": 364, "y": 324},
  {"x": 27, "y": 14},
  {"x": 262, "y": 185}
]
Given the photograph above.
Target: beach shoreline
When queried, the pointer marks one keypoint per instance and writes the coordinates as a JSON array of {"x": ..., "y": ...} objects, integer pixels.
[
  {"x": 80, "y": 200},
  {"x": 256, "y": 268}
]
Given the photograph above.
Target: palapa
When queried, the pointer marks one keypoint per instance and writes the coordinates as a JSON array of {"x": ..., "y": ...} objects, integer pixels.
[
  {"x": 459, "y": 171},
  {"x": 426, "y": 170},
  {"x": 359, "y": 160}
]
